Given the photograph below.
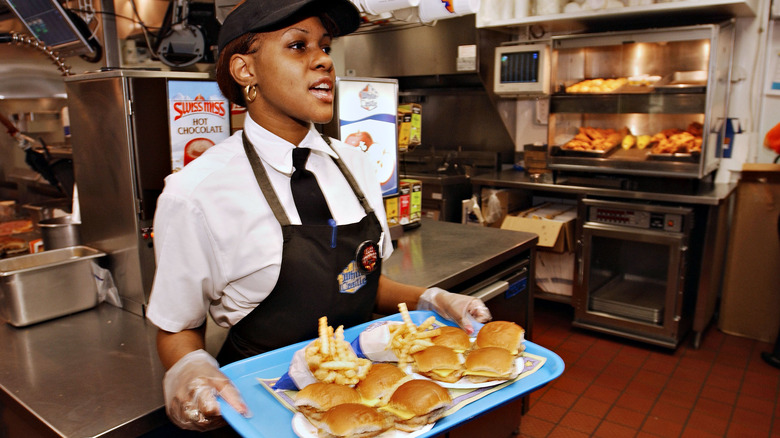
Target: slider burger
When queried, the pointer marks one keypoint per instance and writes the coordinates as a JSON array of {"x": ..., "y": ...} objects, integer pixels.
[
  {"x": 380, "y": 382},
  {"x": 316, "y": 398},
  {"x": 439, "y": 363},
  {"x": 488, "y": 364},
  {"x": 453, "y": 337},
  {"x": 417, "y": 403},
  {"x": 504, "y": 334},
  {"x": 353, "y": 420}
]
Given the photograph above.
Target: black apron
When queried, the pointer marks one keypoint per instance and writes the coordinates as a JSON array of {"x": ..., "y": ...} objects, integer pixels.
[{"x": 322, "y": 274}]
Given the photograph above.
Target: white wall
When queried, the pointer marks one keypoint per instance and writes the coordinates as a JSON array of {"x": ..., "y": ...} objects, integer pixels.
[
  {"x": 747, "y": 102},
  {"x": 769, "y": 99}
]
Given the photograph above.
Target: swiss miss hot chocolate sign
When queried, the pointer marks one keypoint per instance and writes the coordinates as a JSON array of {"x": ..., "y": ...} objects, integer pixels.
[{"x": 198, "y": 116}]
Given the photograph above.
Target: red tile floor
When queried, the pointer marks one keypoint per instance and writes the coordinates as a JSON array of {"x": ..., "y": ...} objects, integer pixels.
[{"x": 613, "y": 387}]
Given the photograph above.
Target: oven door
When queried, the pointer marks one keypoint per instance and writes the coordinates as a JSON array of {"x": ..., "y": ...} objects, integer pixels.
[{"x": 631, "y": 283}]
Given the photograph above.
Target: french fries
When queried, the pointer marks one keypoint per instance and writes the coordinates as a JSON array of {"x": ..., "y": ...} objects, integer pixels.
[
  {"x": 407, "y": 338},
  {"x": 331, "y": 359}
]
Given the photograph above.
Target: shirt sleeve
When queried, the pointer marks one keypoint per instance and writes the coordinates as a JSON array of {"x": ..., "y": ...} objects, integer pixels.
[{"x": 187, "y": 269}]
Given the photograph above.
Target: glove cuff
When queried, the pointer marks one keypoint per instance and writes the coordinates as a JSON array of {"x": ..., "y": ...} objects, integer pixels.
[{"x": 427, "y": 299}]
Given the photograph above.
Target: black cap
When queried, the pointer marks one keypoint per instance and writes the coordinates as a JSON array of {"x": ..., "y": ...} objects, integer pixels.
[{"x": 263, "y": 15}]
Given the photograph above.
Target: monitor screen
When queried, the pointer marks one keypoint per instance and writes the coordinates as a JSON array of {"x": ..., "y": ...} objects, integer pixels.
[
  {"x": 49, "y": 23},
  {"x": 520, "y": 67}
]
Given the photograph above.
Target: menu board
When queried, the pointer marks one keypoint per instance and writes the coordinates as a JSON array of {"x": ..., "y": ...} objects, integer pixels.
[
  {"x": 198, "y": 118},
  {"x": 367, "y": 110}
]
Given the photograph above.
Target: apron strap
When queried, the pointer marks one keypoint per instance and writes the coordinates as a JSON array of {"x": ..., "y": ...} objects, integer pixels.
[
  {"x": 265, "y": 184},
  {"x": 350, "y": 178}
]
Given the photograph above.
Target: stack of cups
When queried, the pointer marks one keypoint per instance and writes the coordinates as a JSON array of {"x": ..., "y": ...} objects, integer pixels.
[
  {"x": 377, "y": 7},
  {"x": 522, "y": 8},
  {"x": 432, "y": 10}
]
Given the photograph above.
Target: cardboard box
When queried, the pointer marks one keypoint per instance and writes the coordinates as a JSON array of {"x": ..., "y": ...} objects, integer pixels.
[
  {"x": 749, "y": 298},
  {"x": 554, "y": 224},
  {"x": 409, "y": 125},
  {"x": 391, "y": 210},
  {"x": 535, "y": 158},
  {"x": 471, "y": 213},
  {"x": 404, "y": 201},
  {"x": 497, "y": 203},
  {"x": 415, "y": 199},
  {"x": 555, "y": 272},
  {"x": 404, "y": 127}
]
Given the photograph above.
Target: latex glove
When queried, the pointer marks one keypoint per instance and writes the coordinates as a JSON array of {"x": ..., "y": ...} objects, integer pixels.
[
  {"x": 468, "y": 312},
  {"x": 191, "y": 387}
]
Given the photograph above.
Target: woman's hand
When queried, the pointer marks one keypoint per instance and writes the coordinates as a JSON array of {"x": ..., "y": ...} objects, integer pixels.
[
  {"x": 191, "y": 387},
  {"x": 462, "y": 309}
]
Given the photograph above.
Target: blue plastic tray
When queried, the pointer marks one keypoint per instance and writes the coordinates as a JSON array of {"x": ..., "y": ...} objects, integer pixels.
[{"x": 272, "y": 420}]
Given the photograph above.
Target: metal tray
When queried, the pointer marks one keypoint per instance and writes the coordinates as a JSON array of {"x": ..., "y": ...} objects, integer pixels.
[
  {"x": 692, "y": 157},
  {"x": 632, "y": 297},
  {"x": 561, "y": 152},
  {"x": 271, "y": 419},
  {"x": 683, "y": 81},
  {"x": 46, "y": 285}
]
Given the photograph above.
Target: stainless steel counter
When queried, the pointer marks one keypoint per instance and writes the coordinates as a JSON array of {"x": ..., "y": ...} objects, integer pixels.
[
  {"x": 444, "y": 254},
  {"x": 704, "y": 194},
  {"x": 96, "y": 373}
]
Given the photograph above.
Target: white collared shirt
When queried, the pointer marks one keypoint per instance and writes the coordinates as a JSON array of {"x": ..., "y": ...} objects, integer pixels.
[{"x": 217, "y": 243}]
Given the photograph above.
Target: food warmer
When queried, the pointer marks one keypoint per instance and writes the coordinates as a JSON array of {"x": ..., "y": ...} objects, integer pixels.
[{"x": 649, "y": 102}]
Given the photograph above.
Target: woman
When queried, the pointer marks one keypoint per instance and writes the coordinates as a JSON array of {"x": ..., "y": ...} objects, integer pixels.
[{"x": 229, "y": 239}]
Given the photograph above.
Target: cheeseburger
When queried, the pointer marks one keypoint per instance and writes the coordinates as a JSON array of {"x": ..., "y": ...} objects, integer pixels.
[
  {"x": 504, "y": 334},
  {"x": 488, "y": 364},
  {"x": 353, "y": 420},
  {"x": 316, "y": 398},
  {"x": 439, "y": 363},
  {"x": 417, "y": 403},
  {"x": 453, "y": 337},
  {"x": 380, "y": 382}
]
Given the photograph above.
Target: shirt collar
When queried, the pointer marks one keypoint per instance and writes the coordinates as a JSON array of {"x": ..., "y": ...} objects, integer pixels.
[{"x": 276, "y": 151}]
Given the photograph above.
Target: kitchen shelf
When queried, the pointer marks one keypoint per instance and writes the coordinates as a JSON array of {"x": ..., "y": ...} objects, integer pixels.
[
  {"x": 646, "y": 15},
  {"x": 647, "y": 103}
]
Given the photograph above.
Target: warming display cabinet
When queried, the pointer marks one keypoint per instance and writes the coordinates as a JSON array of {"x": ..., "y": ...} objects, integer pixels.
[{"x": 649, "y": 102}]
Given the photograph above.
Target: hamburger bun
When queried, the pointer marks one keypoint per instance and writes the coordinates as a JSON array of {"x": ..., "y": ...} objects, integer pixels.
[
  {"x": 352, "y": 420},
  {"x": 417, "y": 403},
  {"x": 380, "y": 382},
  {"x": 316, "y": 398},
  {"x": 504, "y": 334},
  {"x": 439, "y": 363},
  {"x": 453, "y": 337},
  {"x": 10, "y": 245},
  {"x": 489, "y": 363}
]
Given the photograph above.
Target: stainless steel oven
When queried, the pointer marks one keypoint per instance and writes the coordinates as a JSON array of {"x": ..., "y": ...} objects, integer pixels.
[{"x": 632, "y": 263}]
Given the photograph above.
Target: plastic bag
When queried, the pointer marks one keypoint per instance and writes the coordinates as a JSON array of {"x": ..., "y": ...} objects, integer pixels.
[
  {"x": 492, "y": 211},
  {"x": 107, "y": 290}
]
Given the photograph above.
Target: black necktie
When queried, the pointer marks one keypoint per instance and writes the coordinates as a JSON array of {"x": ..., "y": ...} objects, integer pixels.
[{"x": 307, "y": 195}]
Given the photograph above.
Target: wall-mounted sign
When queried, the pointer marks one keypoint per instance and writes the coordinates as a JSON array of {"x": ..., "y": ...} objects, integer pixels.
[
  {"x": 198, "y": 117},
  {"x": 367, "y": 112}
]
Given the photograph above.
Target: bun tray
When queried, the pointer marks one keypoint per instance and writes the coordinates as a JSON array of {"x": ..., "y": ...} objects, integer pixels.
[{"x": 271, "y": 419}]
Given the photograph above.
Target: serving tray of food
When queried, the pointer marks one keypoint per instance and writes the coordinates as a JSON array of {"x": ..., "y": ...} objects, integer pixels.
[{"x": 273, "y": 409}]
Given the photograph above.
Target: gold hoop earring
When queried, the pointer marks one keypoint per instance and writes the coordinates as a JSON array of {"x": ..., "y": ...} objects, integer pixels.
[{"x": 250, "y": 93}]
